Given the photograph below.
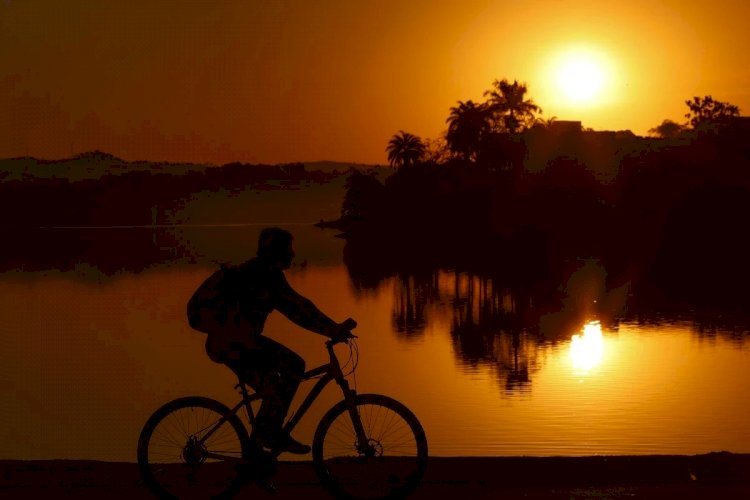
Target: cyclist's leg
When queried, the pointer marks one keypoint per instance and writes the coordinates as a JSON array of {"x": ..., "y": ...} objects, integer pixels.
[
  {"x": 276, "y": 372},
  {"x": 284, "y": 371}
]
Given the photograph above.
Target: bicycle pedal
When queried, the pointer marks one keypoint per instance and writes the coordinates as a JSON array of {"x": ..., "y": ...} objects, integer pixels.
[{"x": 266, "y": 486}]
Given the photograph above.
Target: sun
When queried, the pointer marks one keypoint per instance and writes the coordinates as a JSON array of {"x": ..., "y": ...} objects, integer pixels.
[
  {"x": 580, "y": 80},
  {"x": 580, "y": 77}
]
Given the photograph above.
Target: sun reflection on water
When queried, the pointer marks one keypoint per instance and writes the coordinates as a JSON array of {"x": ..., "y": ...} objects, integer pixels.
[{"x": 586, "y": 349}]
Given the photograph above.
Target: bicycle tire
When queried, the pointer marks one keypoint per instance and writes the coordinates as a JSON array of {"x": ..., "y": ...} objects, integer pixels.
[
  {"x": 397, "y": 449},
  {"x": 173, "y": 464}
]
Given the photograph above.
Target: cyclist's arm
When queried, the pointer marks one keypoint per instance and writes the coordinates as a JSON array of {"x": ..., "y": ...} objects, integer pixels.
[{"x": 302, "y": 311}]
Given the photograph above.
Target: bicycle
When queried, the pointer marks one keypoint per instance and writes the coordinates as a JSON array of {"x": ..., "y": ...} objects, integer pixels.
[{"x": 365, "y": 446}]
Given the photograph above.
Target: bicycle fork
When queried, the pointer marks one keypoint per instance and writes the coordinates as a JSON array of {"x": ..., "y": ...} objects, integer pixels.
[{"x": 364, "y": 447}]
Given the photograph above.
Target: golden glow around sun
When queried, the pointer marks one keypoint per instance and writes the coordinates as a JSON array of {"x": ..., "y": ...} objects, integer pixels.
[{"x": 580, "y": 77}]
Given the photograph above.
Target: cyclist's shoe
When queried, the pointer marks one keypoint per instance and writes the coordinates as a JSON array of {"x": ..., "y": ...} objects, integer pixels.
[{"x": 291, "y": 445}]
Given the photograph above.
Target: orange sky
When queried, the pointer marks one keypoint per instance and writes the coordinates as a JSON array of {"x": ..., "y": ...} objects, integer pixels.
[{"x": 278, "y": 81}]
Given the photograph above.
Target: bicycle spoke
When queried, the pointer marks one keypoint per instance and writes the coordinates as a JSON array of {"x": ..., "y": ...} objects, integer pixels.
[
  {"x": 175, "y": 461},
  {"x": 390, "y": 462}
]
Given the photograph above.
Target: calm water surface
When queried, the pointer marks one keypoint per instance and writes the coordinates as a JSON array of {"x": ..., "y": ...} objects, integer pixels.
[{"x": 87, "y": 357}]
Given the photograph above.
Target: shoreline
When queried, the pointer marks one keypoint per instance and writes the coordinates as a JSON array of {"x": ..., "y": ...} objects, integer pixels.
[{"x": 713, "y": 475}]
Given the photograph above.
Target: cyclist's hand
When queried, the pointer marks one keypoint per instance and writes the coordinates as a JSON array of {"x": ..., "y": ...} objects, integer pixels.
[{"x": 343, "y": 332}]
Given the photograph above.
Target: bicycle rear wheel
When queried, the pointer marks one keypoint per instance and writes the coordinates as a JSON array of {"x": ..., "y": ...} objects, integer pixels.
[
  {"x": 177, "y": 460},
  {"x": 389, "y": 465}
]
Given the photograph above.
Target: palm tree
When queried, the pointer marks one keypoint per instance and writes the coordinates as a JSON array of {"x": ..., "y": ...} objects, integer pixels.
[
  {"x": 468, "y": 123},
  {"x": 507, "y": 101},
  {"x": 545, "y": 123},
  {"x": 404, "y": 149}
]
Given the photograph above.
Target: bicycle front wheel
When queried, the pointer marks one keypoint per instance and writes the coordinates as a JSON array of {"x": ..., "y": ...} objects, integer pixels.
[
  {"x": 191, "y": 448},
  {"x": 389, "y": 464}
]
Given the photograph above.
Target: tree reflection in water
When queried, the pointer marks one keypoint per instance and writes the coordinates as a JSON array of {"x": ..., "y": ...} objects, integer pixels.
[
  {"x": 486, "y": 322},
  {"x": 412, "y": 294}
]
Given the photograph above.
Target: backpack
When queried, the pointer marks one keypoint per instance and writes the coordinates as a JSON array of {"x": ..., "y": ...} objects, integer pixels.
[{"x": 216, "y": 301}]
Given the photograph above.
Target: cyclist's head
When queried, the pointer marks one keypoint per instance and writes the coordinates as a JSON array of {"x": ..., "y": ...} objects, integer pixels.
[{"x": 275, "y": 245}]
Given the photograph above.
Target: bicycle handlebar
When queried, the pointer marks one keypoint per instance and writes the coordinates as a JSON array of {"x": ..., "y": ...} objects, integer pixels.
[{"x": 348, "y": 324}]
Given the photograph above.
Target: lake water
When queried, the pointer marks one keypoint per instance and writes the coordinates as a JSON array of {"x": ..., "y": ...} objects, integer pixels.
[{"x": 88, "y": 355}]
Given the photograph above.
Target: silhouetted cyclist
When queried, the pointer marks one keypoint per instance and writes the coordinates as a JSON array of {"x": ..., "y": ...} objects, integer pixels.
[{"x": 267, "y": 366}]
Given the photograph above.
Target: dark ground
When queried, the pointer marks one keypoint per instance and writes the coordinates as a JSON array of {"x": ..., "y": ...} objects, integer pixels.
[{"x": 711, "y": 476}]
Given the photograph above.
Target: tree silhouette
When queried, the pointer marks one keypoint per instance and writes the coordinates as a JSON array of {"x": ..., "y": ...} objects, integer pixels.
[
  {"x": 436, "y": 151},
  {"x": 708, "y": 114},
  {"x": 404, "y": 149},
  {"x": 508, "y": 103},
  {"x": 364, "y": 196},
  {"x": 668, "y": 129},
  {"x": 468, "y": 123}
]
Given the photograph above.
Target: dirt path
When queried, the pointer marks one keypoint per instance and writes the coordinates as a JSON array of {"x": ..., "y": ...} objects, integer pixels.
[{"x": 711, "y": 476}]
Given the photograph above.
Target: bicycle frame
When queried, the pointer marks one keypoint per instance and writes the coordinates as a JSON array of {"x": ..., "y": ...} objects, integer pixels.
[{"x": 329, "y": 371}]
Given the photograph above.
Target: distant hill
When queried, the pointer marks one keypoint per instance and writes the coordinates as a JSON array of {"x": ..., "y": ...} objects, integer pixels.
[
  {"x": 98, "y": 156},
  {"x": 330, "y": 166},
  {"x": 97, "y": 188},
  {"x": 96, "y": 164},
  {"x": 381, "y": 172},
  {"x": 86, "y": 166}
]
